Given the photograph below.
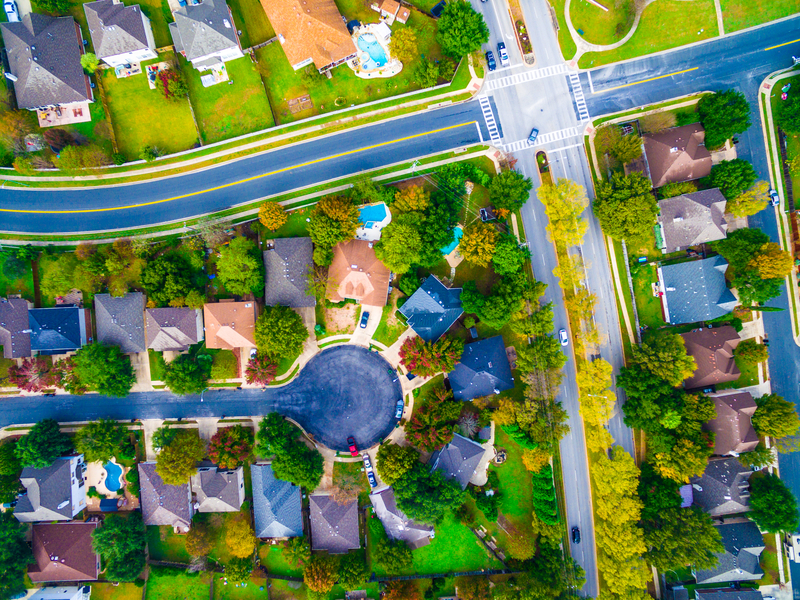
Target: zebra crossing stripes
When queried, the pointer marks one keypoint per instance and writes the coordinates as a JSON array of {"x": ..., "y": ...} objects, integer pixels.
[
  {"x": 543, "y": 138},
  {"x": 577, "y": 91},
  {"x": 528, "y": 75},
  {"x": 491, "y": 123}
]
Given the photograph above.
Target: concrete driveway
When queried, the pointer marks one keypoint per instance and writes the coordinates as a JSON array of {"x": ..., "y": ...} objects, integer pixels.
[{"x": 362, "y": 337}]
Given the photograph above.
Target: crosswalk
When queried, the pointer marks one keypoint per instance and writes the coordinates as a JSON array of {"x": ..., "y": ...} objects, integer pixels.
[
  {"x": 491, "y": 123},
  {"x": 577, "y": 91},
  {"x": 527, "y": 75},
  {"x": 543, "y": 138}
]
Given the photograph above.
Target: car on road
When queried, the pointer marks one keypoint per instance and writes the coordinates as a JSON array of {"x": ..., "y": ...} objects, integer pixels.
[
  {"x": 351, "y": 445},
  {"x": 532, "y": 137},
  {"x": 563, "y": 337},
  {"x": 12, "y": 12},
  {"x": 576, "y": 535},
  {"x": 490, "y": 62},
  {"x": 774, "y": 199},
  {"x": 371, "y": 477},
  {"x": 367, "y": 462},
  {"x": 364, "y": 320},
  {"x": 398, "y": 413},
  {"x": 501, "y": 52}
]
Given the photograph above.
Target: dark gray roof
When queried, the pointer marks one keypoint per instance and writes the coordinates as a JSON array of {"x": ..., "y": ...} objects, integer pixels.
[
  {"x": 173, "y": 328},
  {"x": 678, "y": 593},
  {"x": 120, "y": 321},
  {"x": 277, "y": 505},
  {"x": 397, "y": 525},
  {"x": 740, "y": 562},
  {"x": 733, "y": 429},
  {"x": 218, "y": 490},
  {"x": 483, "y": 370},
  {"x": 59, "y": 329},
  {"x": 200, "y": 30},
  {"x": 729, "y": 594},
  {"x": 692, "y": 219},
  {"x": 287, "y": 265},
  {"x": 115, "y": 28},
  {"x": 458, "y": 459},
  {"x": 432, "y": 309},
  {"x": 44, "y": 53},
  {"x": 163, "y": 504},
  {"x": 696, "y": 291},
  {"x": 49, "y": 491},
  {"x": 334, "y": 527},
  {"x": 14, "y": 336},
  {"x": 724, "y": 488}
]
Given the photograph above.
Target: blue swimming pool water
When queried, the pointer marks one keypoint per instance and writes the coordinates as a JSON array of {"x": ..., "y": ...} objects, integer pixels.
[
  {"x": 458, "y": 233},
  {"x": 370, "y": 45},
  {"x": 373, "y": 212},
  {"x": 113, "y": 476}
]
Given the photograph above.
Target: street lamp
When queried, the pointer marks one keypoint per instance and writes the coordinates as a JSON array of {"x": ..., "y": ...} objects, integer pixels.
[{"x": 201, "y": 394}]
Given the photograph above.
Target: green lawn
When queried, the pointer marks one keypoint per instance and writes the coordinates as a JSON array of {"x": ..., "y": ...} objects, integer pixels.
[
  {"x": 516, "y": 500},
  {"x": 600, "y": 27},
  {"x": 228, "y": 110},
  {"x": 748, "y": 377},
  {"x": 160, "y": 17},
  {"x": 143, "y": 117},
  {"x": 157, "y": 365},
  {"x": 792, "y": 139},
  {"x": 224, "y": 365},
  {"x": 568, "y": 47},
  {"x": 272, "y": 558},
  {"x": 177, "y": 586},
  {"x": 123, "y": 591},
  {"x": 387, "y": 334},
  {"x": 664, "y": 24},
  {"x": 295, "y": 226},
  {"x": 166, "y": 545},
  {"x": 250, "y": 18},
  {"x": 255, "y": 588},
  {"x": 16, "y": 285},
  {"x": 5, "y": 363},
  {"x": 98, "y": 130},
  {"x": 739, "y": 14},
  {"x": 648, "y": 306}
]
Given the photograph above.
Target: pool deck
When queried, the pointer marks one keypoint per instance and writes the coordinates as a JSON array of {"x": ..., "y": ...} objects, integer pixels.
[
  {"x": 96, "y": 477},
  {"x": 392, "y": 66}
]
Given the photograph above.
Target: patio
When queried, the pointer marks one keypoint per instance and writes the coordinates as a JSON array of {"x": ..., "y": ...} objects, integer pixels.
[
  {"x": 64, "y": 115},
  {"x": 96, "y": 477},
  {"x": 130, "y": 70}
]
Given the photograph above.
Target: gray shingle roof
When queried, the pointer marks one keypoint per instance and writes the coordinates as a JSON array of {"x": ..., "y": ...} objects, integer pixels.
[
  {"x": 163, "y": 504},
  {"x": 44, "y": 53},
  {"x": 692, "y": 219},
  {"x": 115, "y": 28},
  {"x": 740, "y": 562},
  {"x": 483, "y": 370},
  {"x": 14, "y": 337},
  {"x": 733, "y": 428},
  {"x": 696, "y": 290},
  {"x": 218, "y": 490},
  {"x": 724, "y": 488},
  {"x": 277, "y": 505},
  {"x": 334, "y": 527},
  {"x": 712, "y": 349},
  {"x": 729, "y": 594},
  {"x": 59, "y": 329},
  {"x": 173, "y": 328},
  {"x": 200, "y": 30},
  {"x": 120, "y": 321},
  {"x": 432, "y": 309},
  {"x": 397, "y": 525},
  {"x": 458, "y": 459},
  {"x": 49, "y": 492},
  {"x": 287, "y": 266}
]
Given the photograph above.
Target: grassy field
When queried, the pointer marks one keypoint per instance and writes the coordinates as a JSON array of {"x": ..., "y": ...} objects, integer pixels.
[
  {"x": 387, "y": 334},
  {"x": 123, "y": 591},
  {"x": 516, "y": 501},
  {"x": 664, "y": 24},
  {"x": 4, "y": 364},
  {"x": 748, "y": 377},
  {"x": 601, "y": 27},
  {"x": 272, "y": 558},
  {"x": 739, "y": 14},
  {"x": 792, "y": 139},
  {"x": 166, "y": 545},
  {"x": 224, "y": 366},
  {"x": 648, "y": 306},
  {"x": 16, "y": 285},
  {"x": 251, "y": 19},
  {"x": 177, "y": 586},
  {"x": 232, "y": 108},
  {"x": 250, "y": 590},
  {"x": 295, "y": 226}
]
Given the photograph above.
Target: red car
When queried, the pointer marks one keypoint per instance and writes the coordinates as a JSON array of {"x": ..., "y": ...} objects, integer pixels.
[{"x": 351, "y": 445}]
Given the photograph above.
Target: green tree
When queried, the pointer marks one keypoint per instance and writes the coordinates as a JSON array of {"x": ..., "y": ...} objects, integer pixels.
[
  {"x": 426, "y": 73},
  {"x": 760, "y": 457},
  {"x": 320, "y": 573},
  {"x": 393, "y": 556},
  {"x": 788, "y": 114},
  {"x": 280, "y": 332},
  {"x": 607, "y": 137},
  {"x": 15, "y": 554},
  {"x": 626, "y": 208},
  {"x": 102, "y": 440},
  {"x": 353, "y": 571},
  {"x": 428, "y": 358},
  {"x": 751, "y": 352},
  {"x": 167, "y": 277},
  {"x": 176, "y": 463},
  {"x": 89, "y": 62},
  {"x": 474, "y": 587},
  {"x": 507, "y": 298},
  {"x": 77, "y": 158},
  {"x": 231, "y": 447},
  {"x": 775, "y": 417},
  {"x": 677, "y": 189},
  {"x": 366, "y": 190},
  {"x": 427, "y": 496},
  {"x": 275, "y": 436},
  {"x": 403, "y": 44},
  {"x": 121, "y": 543},
  {"x": 665, "y": 357},
  {"x": 749, "y": 202},
  {"x": 732, "y": 177},
  {"x": 723, "y": 115},
  {"x": 543, "y": 353},
  {"x": 478, "y": 243},
  {"x": 333, "y": 220},
  {"x": 628, "y": 148},
  {"x": 42, "y": 445},
  {"x": 302, "y": 467},
  {"x": 461, "y": 29},
  {"x": 741, "y": 246},
  {"x": 393, "y": 461},
  {"x": 296, "y": 551},
  {"x": 773, "y": 507},
  {"x": 683, "y": 537},
  {"x": 509, "y": 257},
  {"x": 239, "y": 569},
  {"x": 239, "y": 270},
  {"x": 657, "y": 122},
  {"x": 401, "y": 243},
  {"x": 510, "y": 190},
  {"x": 188, "y": 374}
]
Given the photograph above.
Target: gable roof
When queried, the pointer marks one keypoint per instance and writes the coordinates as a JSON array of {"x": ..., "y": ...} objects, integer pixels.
[
  {"x": 230, "y": 325},
  {"x": 310, "y": 29},
  {"x": 458, "y": 459},
  {"x": 432, "y": 309},
  {"x": 200, "y": 29},
  {"x": 733, "y": 429},
  {"x": 163, "y": 504},
  {"x": 724, "y": 487},
  {"x": 483, "y": 370},
  {"x": 692, "y": 219},
  {"x": 277, "y": 505},
  {"x": 287, "y": 265},
  {"x": 397, "y": 525},
  {"x": 49, "y": 493},
  {"x": 44, "y": 53},
  {"x": 677, "y": 154},
  {"x": 63, "y": 552},
  {"x": 712, "y": 350},
  {"x": 740, "y": 561},
  {"x": 729, "y": 594},
  {"x": 72, "y": 592},
  {"x": 115, "y": 28},
  {"x": 173, "y": 328},
  {"x": 357, "y": 273},
  {"x": 218, "y": 490},
  {"x": 14, "y": 335},
  {"x": 120, "y": 321},
  {"x": 334, "y": 527},
  {"x": 696, "y": 290},
  {"x": 58, "y": 329}
]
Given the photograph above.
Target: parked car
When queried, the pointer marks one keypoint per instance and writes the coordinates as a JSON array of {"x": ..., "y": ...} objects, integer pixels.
[
  {"x": 576, "y": 535},
  {"x": 399, "y": 412},
  {"x": 351, "y": 445},
  {"x": 774, "y": 199},
  {"x": 253, "y": 352},
  {"x": 501, "y": 52},
  {"x": 490, "y": 60},
  {"x": 563, "y": 337},
  {"x": 371, "y": 477},
  {"x": 367, "y": 462},
  {"x": 11, "y": 11},
  {"x": 364, "y": 320},
  {"x": 532, "y": 137}
]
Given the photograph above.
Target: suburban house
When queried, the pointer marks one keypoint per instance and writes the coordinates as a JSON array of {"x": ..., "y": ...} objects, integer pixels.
[
  {"x": 54, "y": 493},
  {"x": 695, "y": 291},
  {"x": 287, "y": 263},
  {"x": 15, "y": 336},
  {"x": 334, "y": 527},
  {"x": 432, "y": 309},
  {"x": 218, "y": 490},
  {"x": 691, "y": 219},
  {"x": 120, "y": 321},
  {"x": 310, "y": 31},
  {"x": 71, "y": 592},
  {"x": 733, "y": 429},
  {"x": 723, "y": 489},
  {"x": 63, "y": 552},
  {"x": 163, "y": 504},
  {"x": 58, "y": 330},
  {"x": 712, "y": 350},
  {"x": 458, "y": 459},
  {"x": 205, "y": 34},
  {"x": 397, "y": 525},
  {"x": 391, "y": 11},
  {"x": 740, "y": 561},
  {"x": 230, "y": 324},
  {"x": 44, "y": 63},
  {"x": 173, "y": 329},
  {"x": 358, "y": 274},
  {"x": 121, "y": 35},
  {"x": 277, "y": 505},
  {"x": 483, "y": 370},
  {"x": 677, "y": 154},
  {"x": 729, "y": 593}
]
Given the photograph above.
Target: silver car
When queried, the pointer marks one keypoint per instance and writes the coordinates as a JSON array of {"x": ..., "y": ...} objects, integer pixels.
[{"x": 12, "y": 12}]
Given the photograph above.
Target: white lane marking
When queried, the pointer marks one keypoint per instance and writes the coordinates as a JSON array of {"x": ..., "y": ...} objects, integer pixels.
[
  {"x": 577, "y": 91},
  {"x": 529, "y": 75},
  {"x": 543, "y": 138},
  {"x": 488, "y": 116}
]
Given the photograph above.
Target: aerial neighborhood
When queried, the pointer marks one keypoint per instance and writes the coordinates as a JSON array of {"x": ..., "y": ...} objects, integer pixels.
[{"x": 399, "y": 299}]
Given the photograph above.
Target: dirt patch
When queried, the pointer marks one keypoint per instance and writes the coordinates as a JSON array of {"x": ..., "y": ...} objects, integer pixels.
[
  {"x": 300, "y": 104},
  {"x": 392, "y": 320},
  {"x": 340, "y": 321}
]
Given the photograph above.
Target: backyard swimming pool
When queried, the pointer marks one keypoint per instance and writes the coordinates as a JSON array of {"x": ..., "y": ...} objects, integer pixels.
[
  {"x": 452, "y": 246},
  {"x": 374, "y": 213},
  {"x": 373, "y": 56},
  {"x": 113, "y": 476}
]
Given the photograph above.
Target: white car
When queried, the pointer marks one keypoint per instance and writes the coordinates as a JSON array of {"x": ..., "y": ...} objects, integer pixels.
[
  {"x": 563, "y": 337},
  {"x": 11, "y": 11},
  {"x": 501, "y": 52},
  {"x": 774, "y": 199}
]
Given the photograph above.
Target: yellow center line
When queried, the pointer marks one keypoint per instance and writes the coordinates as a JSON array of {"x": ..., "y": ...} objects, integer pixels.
[
  {"x": 646, "y": 80},
  {"x": 227, "y": 185},
  {"x": 781, "y": 45}
]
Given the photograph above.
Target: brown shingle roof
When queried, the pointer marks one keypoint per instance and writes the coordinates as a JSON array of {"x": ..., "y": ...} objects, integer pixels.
[
  {"x": 677, "y": 154},
  {"x": 733, "y": 428},
  {"x": 357, "y": 273},
  {"x": 310, "y": 29},
  {"x": 163, "y": 504},
  {"x": 692, "y": 219},
  {"x": 712, "y": 350},
  {"x": 63, "y": 552},
  {"x": 173, "y": 328},
  {"x": 230, "y": 325},
  {"x": 334, "y": 527}
]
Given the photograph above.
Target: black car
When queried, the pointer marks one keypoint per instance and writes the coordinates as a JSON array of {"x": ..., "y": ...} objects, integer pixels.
[
  {"x": 371, "y": 477},
  {"x": 364, "y": 319},
  {"x": 576, "y": 535},
  {"x": 490, "y": 60}
]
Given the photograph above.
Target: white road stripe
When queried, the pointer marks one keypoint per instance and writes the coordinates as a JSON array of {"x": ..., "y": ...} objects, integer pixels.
[
  {"x": 577, "y": 91},
  {"x": 488, "y": 117},
  {"x": 529, "y": 75}
]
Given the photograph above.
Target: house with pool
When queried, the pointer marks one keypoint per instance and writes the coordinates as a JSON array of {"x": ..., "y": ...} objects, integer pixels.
[
  {"x": 374, "y": 218},
  {"x": 374, "y": 60}
]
